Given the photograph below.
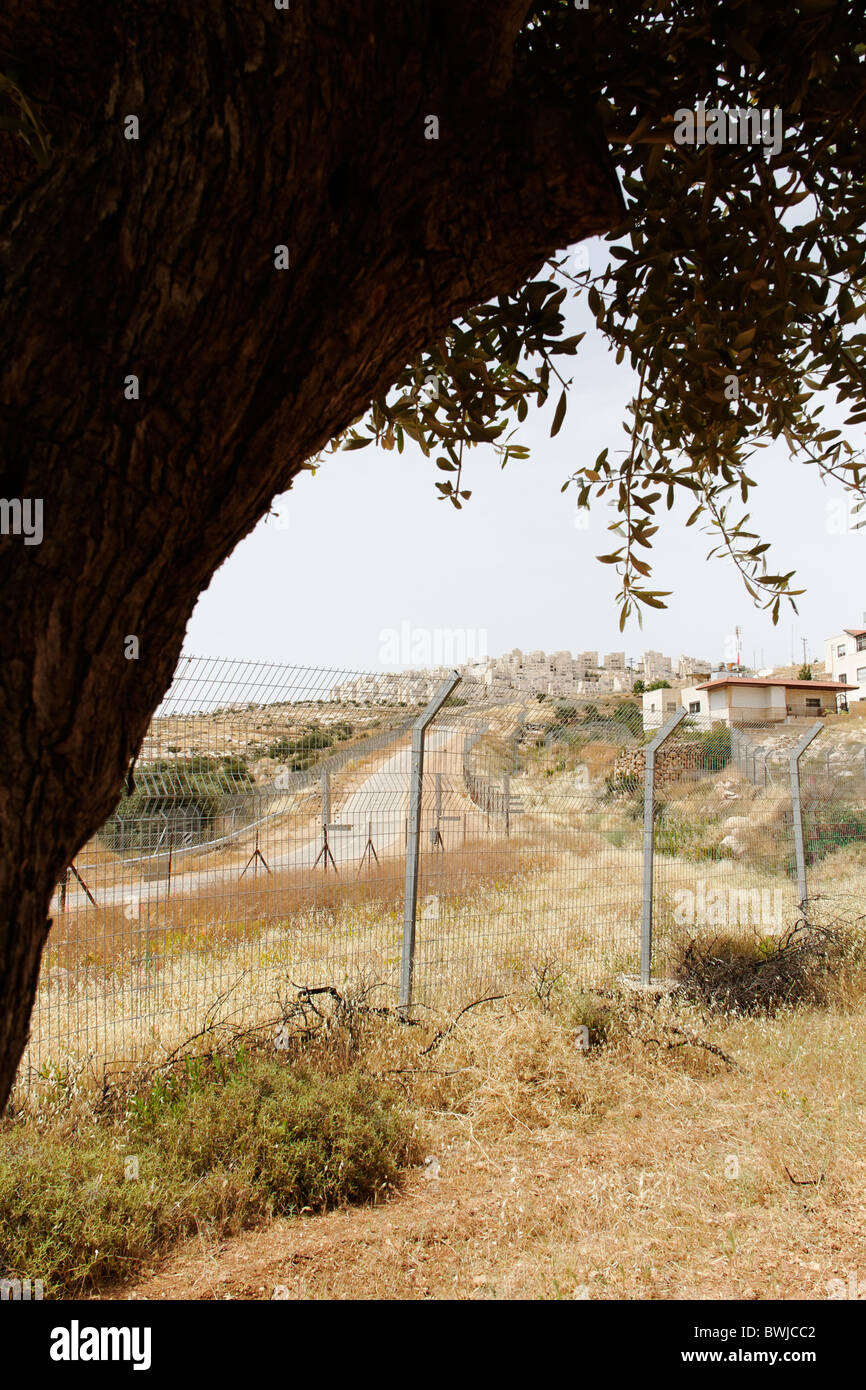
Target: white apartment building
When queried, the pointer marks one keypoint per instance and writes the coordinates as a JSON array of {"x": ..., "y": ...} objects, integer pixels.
[
  {"x": 845, "y": 660},
  {"x": 655, "y": 666},
  {"x": 558, "y": 675},
  {"x": 688, "y": 667},
  {"x": 659, "y": 705}
]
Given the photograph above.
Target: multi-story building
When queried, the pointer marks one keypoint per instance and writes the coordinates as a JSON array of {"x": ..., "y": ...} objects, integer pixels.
[
  {"x": 655, "y": 666},
  {"x": 845, "y": 660},
  {"x": 519, "y": 674},
  {"x": 692, "y": 667}
]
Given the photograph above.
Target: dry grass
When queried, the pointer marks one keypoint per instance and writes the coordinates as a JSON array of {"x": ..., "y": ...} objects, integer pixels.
[
  {"x": 646, "y": 1168},
  {"x": 686, "y": 1155},
  {"x": 261, "y": 900},
  {"x": 115, "y": 990}
]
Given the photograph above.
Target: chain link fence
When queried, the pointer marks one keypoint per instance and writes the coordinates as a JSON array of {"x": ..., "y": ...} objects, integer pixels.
[{"x": 294, "y": 827}]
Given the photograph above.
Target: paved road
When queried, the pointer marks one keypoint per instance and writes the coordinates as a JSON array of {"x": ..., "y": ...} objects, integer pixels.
[{"x": 378, "y": 806}]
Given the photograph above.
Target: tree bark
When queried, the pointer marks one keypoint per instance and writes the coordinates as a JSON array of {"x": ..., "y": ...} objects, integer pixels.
[{"x": 155, "y": 257}]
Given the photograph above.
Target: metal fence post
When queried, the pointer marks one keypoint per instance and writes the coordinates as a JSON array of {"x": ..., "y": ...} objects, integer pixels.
[
  {"x": 326, "y": 797},
  {"x": 436, "y": 841},
  {"x": 797, "y": 809},
  {"x": 413, "y": 836},
  {"x": 646, "y": 920}
]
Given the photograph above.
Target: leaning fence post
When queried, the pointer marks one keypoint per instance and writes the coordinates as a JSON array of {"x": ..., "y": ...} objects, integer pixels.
[
  {"x": 797, "y": 809},
  {"x": 413, "y": 836},
  {"x": 649, "y": 777}
]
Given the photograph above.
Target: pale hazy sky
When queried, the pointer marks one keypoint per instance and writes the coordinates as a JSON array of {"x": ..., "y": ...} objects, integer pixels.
[{"x": 365, "y": 546}]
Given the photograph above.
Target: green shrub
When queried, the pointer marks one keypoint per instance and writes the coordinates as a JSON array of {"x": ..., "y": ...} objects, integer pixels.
[
  {"x": 830, "y": 826},
  {"x": 181, "y": 796},
  {"x": 300, "y": 753},
  {"x": 217, "y": 1147},
  {"x": 715, "y": 748},
  {"x": 688, "y": 839},
  {"x": 629, "y": 714}
]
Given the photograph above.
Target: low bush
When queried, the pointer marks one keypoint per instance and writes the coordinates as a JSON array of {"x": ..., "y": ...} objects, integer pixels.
[
  {"x": 690, "y": 839},
  {"x": 807, "y": 964},
  {"x": 174, "y": 800},
  {"x": 831, "y": 825},
  {"x": 621, "y": 785},
  {"x": 715, "y": 749},
  {"x": 301, "y": 753},
  {"x": 629, "y": 714},
  {"x": 215, "y": 1146},
  {"x": 599, "y": 1016}
]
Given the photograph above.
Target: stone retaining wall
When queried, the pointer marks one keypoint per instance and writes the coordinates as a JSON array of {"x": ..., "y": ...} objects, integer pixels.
[{"x": 682, "y": 760}]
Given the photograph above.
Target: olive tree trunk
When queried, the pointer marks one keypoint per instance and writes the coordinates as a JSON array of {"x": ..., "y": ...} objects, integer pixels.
[{"x": 155, "y": 258}]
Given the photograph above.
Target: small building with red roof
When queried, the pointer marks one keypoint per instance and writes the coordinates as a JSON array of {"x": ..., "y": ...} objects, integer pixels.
[{"x": 763, "y": 699}]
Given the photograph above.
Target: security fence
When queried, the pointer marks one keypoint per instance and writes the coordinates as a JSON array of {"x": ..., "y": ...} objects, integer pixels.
[{"x": 424, "y": 841}]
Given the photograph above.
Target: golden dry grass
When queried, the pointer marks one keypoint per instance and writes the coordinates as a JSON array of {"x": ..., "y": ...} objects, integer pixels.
[
  {"x": 114, "y": 989},
  {"x": 638, "y": 1170}
]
